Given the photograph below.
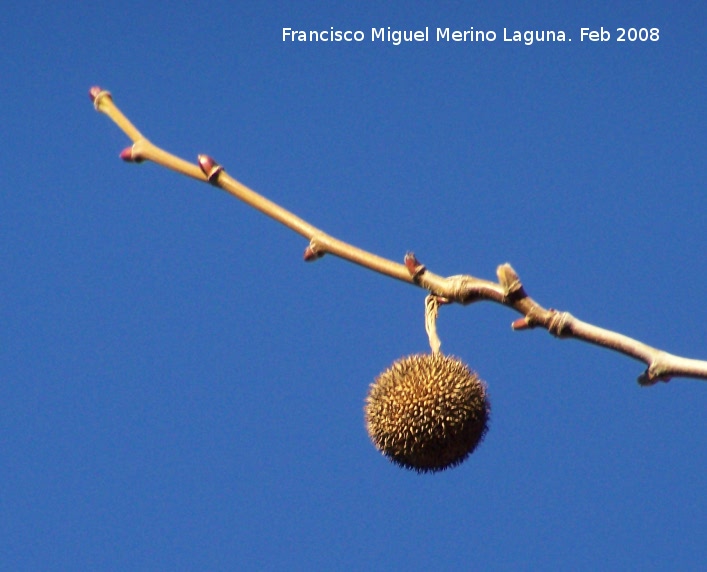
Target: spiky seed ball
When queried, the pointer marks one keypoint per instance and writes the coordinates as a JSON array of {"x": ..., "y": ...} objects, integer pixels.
[{"x": 427, "y": 412}]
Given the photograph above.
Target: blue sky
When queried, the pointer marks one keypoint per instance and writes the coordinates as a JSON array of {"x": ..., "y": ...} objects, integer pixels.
[{"x": 179, "y": 391}]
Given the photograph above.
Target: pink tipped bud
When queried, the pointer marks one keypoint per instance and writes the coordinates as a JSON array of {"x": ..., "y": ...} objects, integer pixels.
[
  {"x": 129, "y": 156},
  {"x": 209, "y": 167},
  {"x": 93, "y": 92},
  {"x": 413, "y": 265},
  {"x": 310, "y": 255},
  {"x": 520, "y": 324}
]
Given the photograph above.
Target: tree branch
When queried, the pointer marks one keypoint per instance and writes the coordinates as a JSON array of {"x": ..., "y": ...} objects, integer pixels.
[{"x": 462, "y": 289}]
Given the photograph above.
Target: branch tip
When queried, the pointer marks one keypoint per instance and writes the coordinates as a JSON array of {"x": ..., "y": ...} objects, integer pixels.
[
  {"x": 93, "y": 92},
  {"x": 97, "y": 95}
]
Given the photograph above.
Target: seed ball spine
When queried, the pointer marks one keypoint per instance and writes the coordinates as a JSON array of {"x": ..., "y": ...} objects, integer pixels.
[{"x": 427, "y": 412}]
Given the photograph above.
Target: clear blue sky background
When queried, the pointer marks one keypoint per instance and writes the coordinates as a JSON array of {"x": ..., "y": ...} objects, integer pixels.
[{"x": 179, "y": 391}]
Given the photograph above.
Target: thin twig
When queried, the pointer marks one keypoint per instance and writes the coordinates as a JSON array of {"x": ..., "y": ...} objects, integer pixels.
[{"x": 462, "y": 289}]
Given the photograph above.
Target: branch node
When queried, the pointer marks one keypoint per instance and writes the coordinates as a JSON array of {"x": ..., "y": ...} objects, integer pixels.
[
  {"x": 210, "y": 168},
  {"x": 559, "y": 322},
  {"x": 532, "y": 317},
  {"x": 463, "y": 289},
  {"x": 312, "y": 252},
  {"x": 655, "y": 373}
]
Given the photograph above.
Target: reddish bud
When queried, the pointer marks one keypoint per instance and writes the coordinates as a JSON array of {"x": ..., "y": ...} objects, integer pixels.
[
  {"x": 128, "y": 156},
  {"x": 413, "y": 265},
  {"x": 411, "y": 261},
  {"x": 209, "y": 167},
  {"x": 520, "y": 324},
  {"x": 310, "y": 255},
  {"x": 93, "y": 92}
]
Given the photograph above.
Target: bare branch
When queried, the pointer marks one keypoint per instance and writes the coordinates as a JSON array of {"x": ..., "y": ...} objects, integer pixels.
[{"x": 462, "y": 289}]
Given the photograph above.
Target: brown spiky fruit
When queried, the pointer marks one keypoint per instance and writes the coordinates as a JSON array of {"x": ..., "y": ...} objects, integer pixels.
[{"x": 427, "y": 412}]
